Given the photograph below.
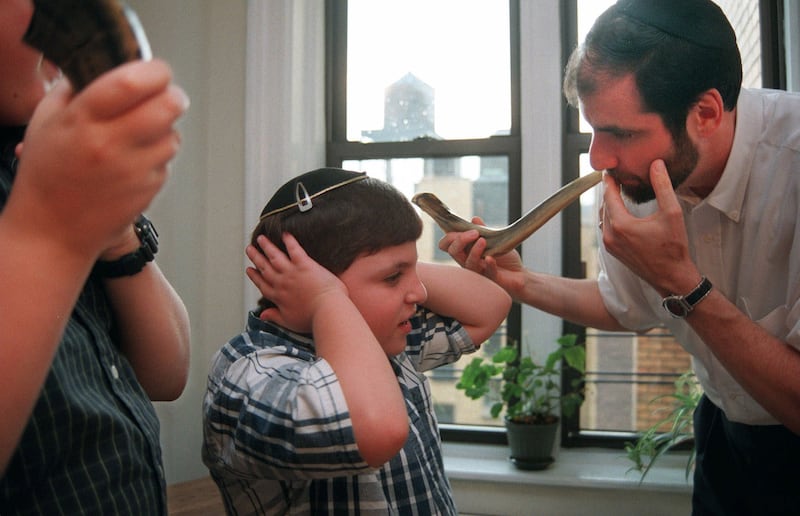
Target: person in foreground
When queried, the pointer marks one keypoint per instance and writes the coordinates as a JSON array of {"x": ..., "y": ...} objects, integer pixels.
[
  {"x": 82, "y": 354},
  {"x": 700, "y": 233},
  {"x": 321, "y": 406}
]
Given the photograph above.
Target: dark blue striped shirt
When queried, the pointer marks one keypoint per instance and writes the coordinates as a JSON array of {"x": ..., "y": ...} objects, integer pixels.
[{"x": 91, "y": 445}]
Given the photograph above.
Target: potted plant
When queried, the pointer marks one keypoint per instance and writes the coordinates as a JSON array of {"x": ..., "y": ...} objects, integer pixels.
[{"x": 530, "y": 394}]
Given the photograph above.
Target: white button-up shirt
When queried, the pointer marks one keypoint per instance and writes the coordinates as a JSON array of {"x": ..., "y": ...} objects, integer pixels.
[{"x": 745, "y": 236}]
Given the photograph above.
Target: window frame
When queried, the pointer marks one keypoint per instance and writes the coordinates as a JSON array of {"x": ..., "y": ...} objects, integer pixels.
[
  {"x": 340, "y": 149},
  {"x": 574, "y": 143}
]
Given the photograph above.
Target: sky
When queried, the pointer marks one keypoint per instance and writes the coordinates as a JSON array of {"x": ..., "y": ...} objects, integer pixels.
[{"x": 459, "y": 47}]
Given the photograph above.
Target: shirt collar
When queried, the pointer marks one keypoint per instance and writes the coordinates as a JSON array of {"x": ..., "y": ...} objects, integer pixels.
[
  {"x": 729, "y": 193},
  {"x": 254, "y": 323}
]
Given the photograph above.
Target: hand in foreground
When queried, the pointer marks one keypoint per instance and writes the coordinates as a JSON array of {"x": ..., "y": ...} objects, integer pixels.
[
  {"x": 655, "y": 247},
  {"x": 293, "y": 281},
  {"x": 467, "y": 250},
  {"x": 92, "y": 161}
]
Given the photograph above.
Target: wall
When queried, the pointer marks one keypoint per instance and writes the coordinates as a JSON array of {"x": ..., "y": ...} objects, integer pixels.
[
  {"x": 268, "y": 56},
  {"x": 792, "y": 17},
  {"x": 540, "y": 126},
  {"x": 199, "y": 213}
]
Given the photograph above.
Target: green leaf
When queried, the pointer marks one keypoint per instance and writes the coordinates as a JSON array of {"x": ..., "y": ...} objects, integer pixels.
[
  {"x": 507, "y": 354},
  {"x": 576, "y": 358},
  {"x": 496, "y": 408},
  {"x": 527, "y": 388}
]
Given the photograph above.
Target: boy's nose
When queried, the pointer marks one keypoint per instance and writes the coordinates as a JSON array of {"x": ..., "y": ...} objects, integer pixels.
[{"x": 417, "y": 294}]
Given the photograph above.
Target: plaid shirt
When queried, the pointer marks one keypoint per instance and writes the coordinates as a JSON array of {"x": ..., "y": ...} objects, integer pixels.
[
  {"x": 278, "y": 436},
  {"x": 91, "y": 445}
]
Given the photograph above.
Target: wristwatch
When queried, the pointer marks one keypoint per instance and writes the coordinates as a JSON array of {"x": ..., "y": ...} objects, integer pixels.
[
  {"x": 681, "y": 306},
  {"x": 132, "y": 263}
]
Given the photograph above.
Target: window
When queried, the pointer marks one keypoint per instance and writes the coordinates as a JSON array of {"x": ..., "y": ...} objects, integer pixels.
[
  {"x": 393, "y": 111},
  {"x": 425, "y": 96},
  {"x": 625, "y": 371}
]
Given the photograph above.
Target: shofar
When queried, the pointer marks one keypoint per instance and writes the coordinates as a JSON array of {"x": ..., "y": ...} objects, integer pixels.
[
  {"x": 502, "y": 240},
  {"x": 86, "y": 38}
]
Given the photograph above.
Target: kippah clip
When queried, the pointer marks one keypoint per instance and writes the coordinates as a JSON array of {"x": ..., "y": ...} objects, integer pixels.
[
  {"x": 302, "y": 197},
  {"x": 303, "y": 201}
]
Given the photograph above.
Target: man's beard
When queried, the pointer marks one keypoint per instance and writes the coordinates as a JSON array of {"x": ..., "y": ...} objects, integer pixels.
[{"x": 679, "y": 165}]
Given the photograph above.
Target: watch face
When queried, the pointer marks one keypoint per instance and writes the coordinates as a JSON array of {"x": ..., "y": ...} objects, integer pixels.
[{"x": 676, "y": 306}]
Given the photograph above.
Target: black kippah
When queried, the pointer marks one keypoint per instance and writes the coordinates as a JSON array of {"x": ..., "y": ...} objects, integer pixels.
[
  {"x": 701, "y": 22},
  {"x": 302, "y": 189}
]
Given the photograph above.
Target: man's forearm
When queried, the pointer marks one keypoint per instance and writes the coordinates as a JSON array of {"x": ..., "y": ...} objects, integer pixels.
[{"x": 575, "y": 300}]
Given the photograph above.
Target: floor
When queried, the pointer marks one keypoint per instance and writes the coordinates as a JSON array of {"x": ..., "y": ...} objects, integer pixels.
[
  {"x": 194, "y": 498},
  {"x": 197, "y": 498}
]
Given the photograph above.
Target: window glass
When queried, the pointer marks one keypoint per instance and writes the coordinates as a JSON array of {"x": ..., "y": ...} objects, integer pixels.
[
  {"x": 744, "y": 17},
  {"x": 422, "y": 69},
  {"x": 467, "y": 185},
  {"x": 428, "y": 108},
  {"x": 588, "y": 11},
  {"x": 626, "y": 373}
]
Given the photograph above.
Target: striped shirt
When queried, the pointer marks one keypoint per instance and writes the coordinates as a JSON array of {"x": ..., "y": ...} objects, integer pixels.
[
  {"x": 278, "y": 437},
  {"x": 91, "y": 445}
]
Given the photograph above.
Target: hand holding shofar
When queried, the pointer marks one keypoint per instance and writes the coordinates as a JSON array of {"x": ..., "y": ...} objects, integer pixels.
[{"x": 502, "y": 240}]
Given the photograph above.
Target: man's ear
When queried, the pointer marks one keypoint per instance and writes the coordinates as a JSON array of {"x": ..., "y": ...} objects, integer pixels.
[{"x": 705, "y": 116}]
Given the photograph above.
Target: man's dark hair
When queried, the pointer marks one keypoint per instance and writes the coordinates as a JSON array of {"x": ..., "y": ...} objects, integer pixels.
[{"x": 671, "y": 71}]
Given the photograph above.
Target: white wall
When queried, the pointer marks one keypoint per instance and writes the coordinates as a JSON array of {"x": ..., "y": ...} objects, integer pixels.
[
  {"x": 540, "y": 121},
  {"x": 792, "y": 27},
  {"x": 199, "y": 214},
  {"x": 255, "y": 74}
]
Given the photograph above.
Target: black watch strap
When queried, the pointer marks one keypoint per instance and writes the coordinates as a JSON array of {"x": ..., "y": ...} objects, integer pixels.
[
  {"x": 681, "y": 306},
  {"x": 132, "y": 263}
]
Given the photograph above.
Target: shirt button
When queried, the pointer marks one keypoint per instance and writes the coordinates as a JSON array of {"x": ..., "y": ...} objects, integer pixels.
[{"x": 114, "y": 372}]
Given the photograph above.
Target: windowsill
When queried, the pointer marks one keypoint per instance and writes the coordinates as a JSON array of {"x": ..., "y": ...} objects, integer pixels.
[{"x": 586, "y": 479}]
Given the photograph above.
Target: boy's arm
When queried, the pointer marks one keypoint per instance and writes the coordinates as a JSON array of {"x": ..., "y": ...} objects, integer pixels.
[
  {"x": 306, "y": 431},
  {"x": 479, "y": 304}
]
